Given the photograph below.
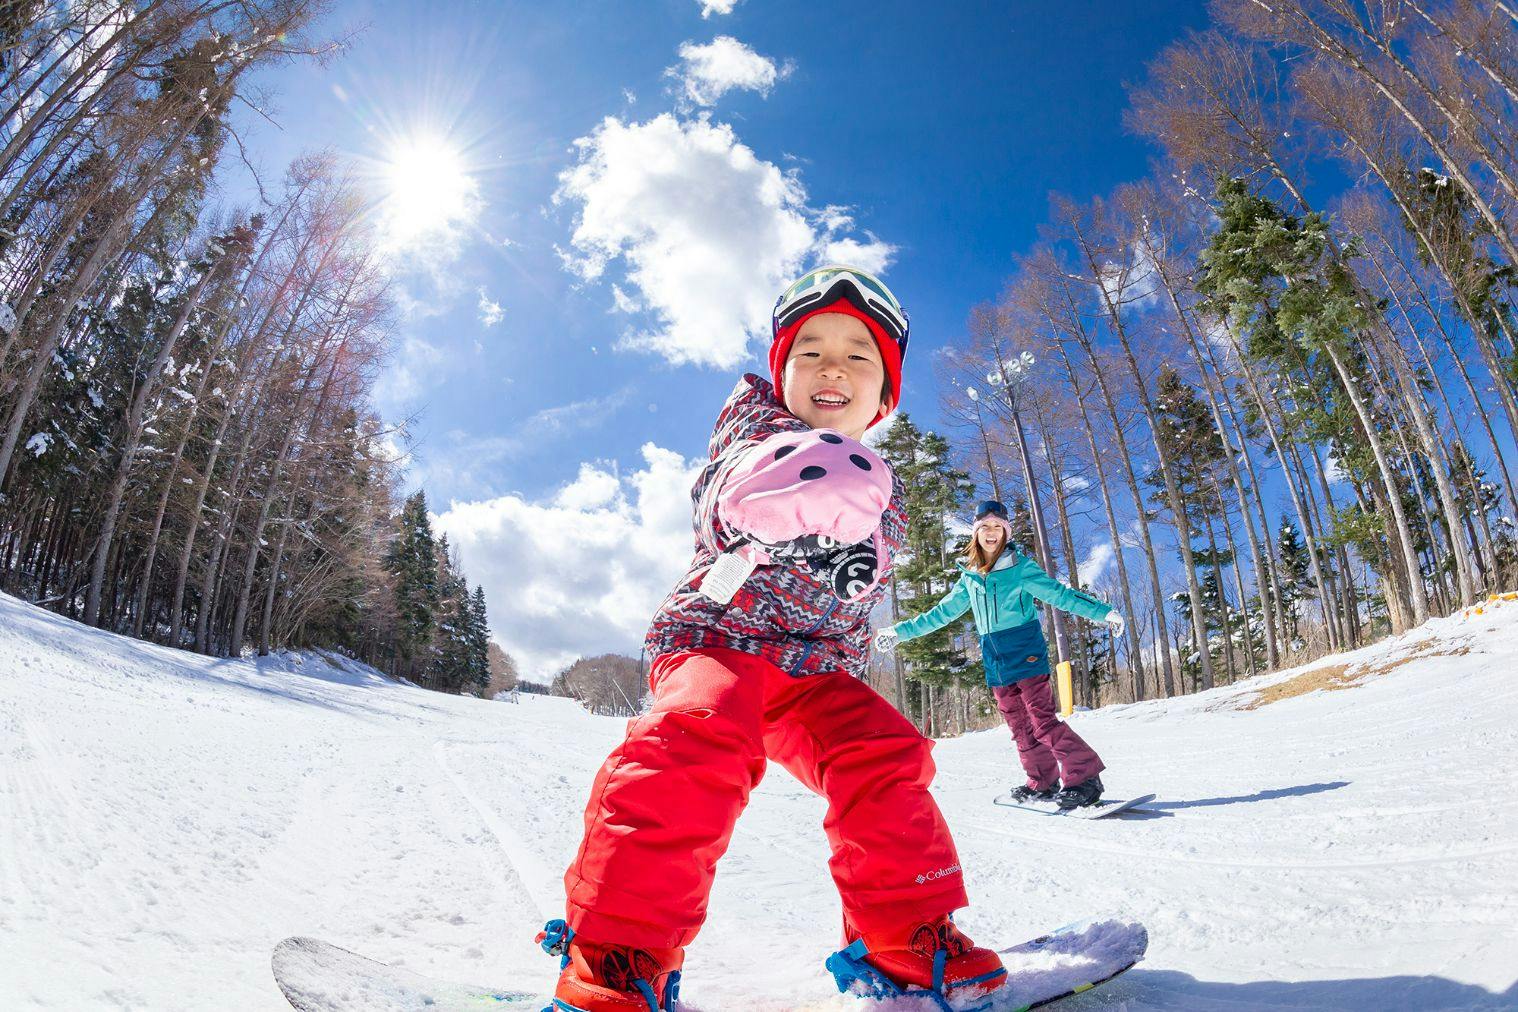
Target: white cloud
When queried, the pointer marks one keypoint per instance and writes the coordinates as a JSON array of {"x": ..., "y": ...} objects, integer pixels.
[
  {"x": 1335, "y": 471},
  {"x": 1216, "y": 331},
  {"x": 622, "y": 302},
  {"x": 491, "y": 312},
  {"x": 872, "y": 256},
  {"x": 1136, "y": 284},
  {"x": 580, "y": 572},
  {"x": 1095, "y": 565},
  {"x": 710, "y": 7},
  {"x": 876, "y": 435},
  {"x": 400, "y": 383},
  {"x": 707, "y": 72},
  {"x": 706, "y": 231},
  {"x": 468, "y": 465}
]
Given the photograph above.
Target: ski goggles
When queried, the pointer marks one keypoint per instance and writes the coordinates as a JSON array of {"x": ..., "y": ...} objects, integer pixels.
[
  {"x": 990, "y": 508},
  {"x": 826, "y": 285}
]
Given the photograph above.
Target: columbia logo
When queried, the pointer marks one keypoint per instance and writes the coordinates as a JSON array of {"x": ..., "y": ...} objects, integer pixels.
[{"x": 936, "y": 874}]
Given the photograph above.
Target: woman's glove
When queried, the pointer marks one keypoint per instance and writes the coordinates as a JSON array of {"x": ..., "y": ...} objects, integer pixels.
[
  {"x": 886, "y": 639},
  {"x": 817, "y": 489},
  {"x": 1117, "y": 622}
]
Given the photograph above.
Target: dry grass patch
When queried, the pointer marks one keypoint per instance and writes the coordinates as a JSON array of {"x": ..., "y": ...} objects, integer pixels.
[{"x": 1331, "y": 677}]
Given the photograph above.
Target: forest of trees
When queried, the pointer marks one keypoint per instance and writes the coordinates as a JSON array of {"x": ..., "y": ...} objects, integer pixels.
[
  {"x": 610, "y": 684},
  {"x": 187, "y": 451},
  {"x": 1267, "y": 397},
  {"x": 1280, "y": 372}
]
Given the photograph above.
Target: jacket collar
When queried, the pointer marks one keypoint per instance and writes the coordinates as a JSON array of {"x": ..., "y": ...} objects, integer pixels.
[{"x": 1009, "y": 557}]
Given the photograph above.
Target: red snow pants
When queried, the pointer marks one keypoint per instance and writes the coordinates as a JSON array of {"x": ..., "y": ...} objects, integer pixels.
[
  {"x": 1049, "y": 748},
  {"x": 663, "y": 806}
]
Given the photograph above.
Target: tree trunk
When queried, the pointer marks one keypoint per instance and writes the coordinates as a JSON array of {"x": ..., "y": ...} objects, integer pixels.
[
  {"x": 1267, "y": 611},
  {"x": 131, "y": 440},
  {"x": 1163, "y": 636},
  {"x": 1303, "y": 517},
  {"x": 1116, "y": 534},
  {"x": 1167, "y": 472},
  {"x": 1419, "y": 598}
]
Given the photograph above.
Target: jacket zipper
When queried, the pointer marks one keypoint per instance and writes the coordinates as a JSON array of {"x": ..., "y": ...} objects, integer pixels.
[{"x": 811, "y": 629}]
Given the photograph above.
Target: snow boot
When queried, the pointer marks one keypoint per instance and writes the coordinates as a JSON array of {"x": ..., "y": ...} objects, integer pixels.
[
  {"x": 1024, "y": 794},
  {"x": 932, "y": 958},
  {"x": 596, "y": 977},
  {"x": 1087, "y": 792}
]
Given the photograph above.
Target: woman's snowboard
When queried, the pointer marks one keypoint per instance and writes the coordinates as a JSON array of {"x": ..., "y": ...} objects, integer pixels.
[
  {"x": 1100, "y": 810},
  {"x": 316, "y": 976}
]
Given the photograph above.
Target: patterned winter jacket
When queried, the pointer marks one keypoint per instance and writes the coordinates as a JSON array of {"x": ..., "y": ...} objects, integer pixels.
[{"x": 783, "y": 612}]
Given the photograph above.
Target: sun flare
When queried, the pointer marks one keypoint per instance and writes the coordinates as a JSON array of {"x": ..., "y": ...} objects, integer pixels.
[{"x": 428, "y": 189}]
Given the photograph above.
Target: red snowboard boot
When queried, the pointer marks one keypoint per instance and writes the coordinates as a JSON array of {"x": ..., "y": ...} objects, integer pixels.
[
  {"x": 610, "y": 978},
  {"x": 932, "y": 956}
]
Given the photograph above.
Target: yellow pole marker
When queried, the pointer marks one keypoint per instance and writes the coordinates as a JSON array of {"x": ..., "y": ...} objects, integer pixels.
[{"x": 1066, "y": 700}]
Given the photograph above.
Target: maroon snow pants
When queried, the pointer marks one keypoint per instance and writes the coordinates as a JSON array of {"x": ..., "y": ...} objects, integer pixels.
[{"x": 1049, "y": 748}]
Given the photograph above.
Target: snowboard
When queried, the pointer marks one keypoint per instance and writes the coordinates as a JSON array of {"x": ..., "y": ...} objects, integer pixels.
[
  {"x": 1100, "y": 810},
  {"x": 316, "y": 976}
]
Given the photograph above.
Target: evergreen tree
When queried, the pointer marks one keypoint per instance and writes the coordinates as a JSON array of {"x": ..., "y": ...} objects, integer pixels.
[
  {"x": 479, "y": 643},
  {"x": 413, "y": 562},
  {"x": 1198, "y": 456},
  {"x": 1293, "y": 576},
  {"x": 1020, "y": 516},
  {"x": 452, "y": 645},
  {"x": 1099, "y": 656},
  {"x": 925, "y": 569},
  {"x": 1285, "y": 283}
]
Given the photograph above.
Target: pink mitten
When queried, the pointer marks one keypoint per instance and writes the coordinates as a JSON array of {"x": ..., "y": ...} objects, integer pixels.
[{"x": 796, "y": 484}]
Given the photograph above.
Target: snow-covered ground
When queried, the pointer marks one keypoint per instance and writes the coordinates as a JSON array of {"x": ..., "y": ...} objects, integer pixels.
[{"x": 165, "y": 819}]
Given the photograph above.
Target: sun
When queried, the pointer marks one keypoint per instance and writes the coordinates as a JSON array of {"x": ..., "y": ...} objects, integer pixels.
[{"x": 428, "y": 189}]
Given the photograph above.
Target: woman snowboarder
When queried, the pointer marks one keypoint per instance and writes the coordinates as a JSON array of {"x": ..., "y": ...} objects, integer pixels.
[{"x": 999, "y": 585}]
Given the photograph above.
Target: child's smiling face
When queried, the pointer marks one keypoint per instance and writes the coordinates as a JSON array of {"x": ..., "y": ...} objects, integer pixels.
[{"x": 834, "y": 377}]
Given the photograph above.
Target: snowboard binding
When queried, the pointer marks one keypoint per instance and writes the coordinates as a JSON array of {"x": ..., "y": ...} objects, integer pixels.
[
  {"x": 625, "y": 981},
  {"x": 856, "y": 976}
]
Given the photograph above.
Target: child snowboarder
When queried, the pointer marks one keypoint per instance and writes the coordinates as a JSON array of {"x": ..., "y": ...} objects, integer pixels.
[
  {"x": 757, "y": 654},
  {"x": 1000, "y": 584}
]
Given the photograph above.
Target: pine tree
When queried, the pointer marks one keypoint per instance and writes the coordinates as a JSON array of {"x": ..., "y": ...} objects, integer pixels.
[
  {"x": 1099, "y": 652},
  {"x": 413, "y": 562},
  {"x": 479, "y": 643},
  {"x": 1020, "y": 516},
  {"x": 452, "y": 641},
  {"x": 1293, "y": 576},
  {"x": 1197, "y": 457},
  {"x": 1283, "y": 281},
  {"x": 925, "y": 570}
]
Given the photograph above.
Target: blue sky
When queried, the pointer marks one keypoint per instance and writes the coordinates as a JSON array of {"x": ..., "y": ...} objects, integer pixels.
[{"x": 589, "y": 209}]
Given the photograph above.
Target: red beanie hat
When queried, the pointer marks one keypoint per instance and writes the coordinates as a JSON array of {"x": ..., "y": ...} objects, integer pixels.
[{"x": 890, "y": 352}]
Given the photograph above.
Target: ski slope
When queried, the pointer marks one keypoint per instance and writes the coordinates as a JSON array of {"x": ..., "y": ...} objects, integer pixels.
[{"x": 166, "y": 818}]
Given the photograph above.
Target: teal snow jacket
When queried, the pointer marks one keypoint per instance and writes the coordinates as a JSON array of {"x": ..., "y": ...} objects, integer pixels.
[{"x": 1004, "y": 603}]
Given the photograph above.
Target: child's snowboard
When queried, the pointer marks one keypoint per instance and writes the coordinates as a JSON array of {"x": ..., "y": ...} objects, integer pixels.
[
  {"x": 316, "y": 976},
  {"x": 1100, "y": 810},
  {"x": 1066, "y": 962},
  {"x": 319, "y": 977}
]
